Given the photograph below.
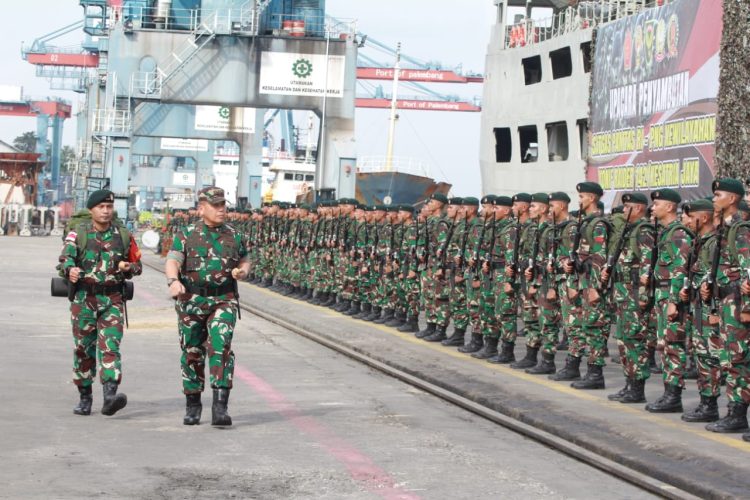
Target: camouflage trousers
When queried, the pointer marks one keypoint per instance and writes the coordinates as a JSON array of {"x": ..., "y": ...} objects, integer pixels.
[
  {"x": 571, "y": 311},
  {"x": 551, "y": 319},
  {"x": 671, "y": 335},
  {"x": 735, "y": 356},
  {"x": 707, "y": 349},
  {"x": 206, "y": 327},
  {"x": 595, "y": 328},
  {"x": 349, "y": 280},
  {"x": 97, "y": 333},
  {"x": 530, "y": 316},
  {"x": 442, "y": 298},
  {"x": 631, "y": 332},
  {"x": 472, "y": 302},
  {"x": 506, "y": 310},
  {"x": 488, "y": 324},
  {"x": 408, "y": 295},
  {"x": 427, "y": 283},
  {"x": 459, "y": 308}
]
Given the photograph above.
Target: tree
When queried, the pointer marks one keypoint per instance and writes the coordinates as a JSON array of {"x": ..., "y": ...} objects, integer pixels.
[{"x": 25, "y": 142}]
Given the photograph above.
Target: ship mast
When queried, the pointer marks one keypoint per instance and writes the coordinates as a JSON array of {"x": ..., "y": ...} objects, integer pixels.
[{"x": 394, "y": 116}]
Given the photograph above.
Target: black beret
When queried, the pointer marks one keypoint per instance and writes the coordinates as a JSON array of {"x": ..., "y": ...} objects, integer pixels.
[
  {"x": 639, "y": 198},
  {"x": 471, "y": 201},
  {"x": 439, "y": 197},
  {"x": 590, "y": 187},
  {"x": 697, "y": 206},
  {"x": 100, "y": 196},
  {"x": 728, "y": 185},
  {"x": 380, "y": 207},
  {"x": 456, "y": 201},
  {"x": 503, "y": 201},
  {"x": 666, "y": 194},
  {"x": 559, "y": 196},
  {"x": 488, "y": 199},
  {"x": 369, "y": 208},
  {"x": 540, "y": 198},
  {"x": 522, "y": 197}
]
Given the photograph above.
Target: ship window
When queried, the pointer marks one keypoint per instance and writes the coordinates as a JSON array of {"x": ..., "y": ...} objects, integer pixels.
[
  {"x": 557, "y": 141},
  {"x": 562, "y": 64},
  {"x": 583, "y": 137},
  {"x": 532, "y": 70},
  {"x": 309, "y": 177},
  {"x": 299, "y": 177},
  {"x": 529, "y": 140},
  {"x": 288, "y": 177},
  {"x": 586, "y": 53},
  {"x": 503, "y": 148}
]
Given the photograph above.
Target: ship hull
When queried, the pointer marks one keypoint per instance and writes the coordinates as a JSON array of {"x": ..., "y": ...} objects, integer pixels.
[{"x": 375, "y": 188}]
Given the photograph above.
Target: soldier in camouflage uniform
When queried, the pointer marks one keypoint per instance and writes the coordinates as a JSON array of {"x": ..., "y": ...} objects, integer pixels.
[
  {"x": 96, "y": 258},
  {"x": 202, "y": 270},
  {"x": 631, "y": 297},
  {"x": 673, "y": 247},
  {"x": 409, "y": 269},
  {"x": 733, "y": 304},
  {"x": 433, "y": 232},
  {"x": 706, "y": 338}
]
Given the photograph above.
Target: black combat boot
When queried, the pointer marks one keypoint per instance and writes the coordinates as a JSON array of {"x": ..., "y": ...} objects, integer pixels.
[
  {"x": 399, "y": 318},
  {"x": 319, "y": 298},
  {"x": 528, "y": 361},
  {"x": 594, "y": 379},
  {"x": 429, "y": 330},
  {"x": 309, "y": 295},
  {"x": 619, "y": 394},
  {"x": 506, "y": 354},
  {"x": 386, "y": 317},
  {"x": 669, "y": 402},
  {"x": 706, "y": 411},
  {"x": 563, "y": 345},
  {"x": 219, "y": 415},
  {"x": 474, "y": 345},
  {"x": 353, "y": 310},
  {"x": 84, "y": 403},
  {"x": 439, "y": 334},
  {"x": 653, "y": 367},
  {"x": 287, "y": 289},
  {"x": 364, "y": 311},
  {"x": 456, "y": 339},
  {"x": 113, "y": 402},
  {"x": 374, "y": 314},
  {"x": 331, "y": 300},
  {"x": 266, "y": 283},
  {"x": 735, "y": 421},
  {"x": 344, "y": 305},
  {"x": 636, "y": 393},
  {"x": 545, "y": 366},
  {"x": 488, "y": 350},
  {"x": 571, "y": 370},
  {"x": 411, "y": 325},
  {"x": 193, "y": 409},
  {"x": 746, "y": 437}
]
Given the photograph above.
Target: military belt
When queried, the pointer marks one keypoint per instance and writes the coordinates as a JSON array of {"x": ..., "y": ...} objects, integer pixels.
[
  {"x": 100, "y": 289},
  {"x": 210, "y": 291}
]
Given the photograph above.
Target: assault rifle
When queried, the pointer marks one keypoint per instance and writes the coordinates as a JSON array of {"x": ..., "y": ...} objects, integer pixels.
[
  {"x": 687, "y": 285},
  {"x": 654, "y": 259},
  {"x": 477, "y": 249},
  {"x": 577, "y": 243},
  {"x": 713, "y": 281},
  {"x": 490, "y": 255}
]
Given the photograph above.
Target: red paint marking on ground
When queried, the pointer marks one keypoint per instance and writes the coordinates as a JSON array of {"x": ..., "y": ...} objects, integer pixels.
[{"x": 360, "y": 466}]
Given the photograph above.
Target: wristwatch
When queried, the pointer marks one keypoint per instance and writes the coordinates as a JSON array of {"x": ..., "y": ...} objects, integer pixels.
[{"x": 171, "y": 280}]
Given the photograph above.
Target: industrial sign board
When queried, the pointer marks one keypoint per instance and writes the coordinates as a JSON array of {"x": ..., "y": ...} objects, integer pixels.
[
  {"x": 287, "y": 73},
  {"x": 184, "y": 144},
  {"x": 225, "y": 119},
  {"x": 183, "y": 179},
  {"x": 654, "y": 100},
  {"x": 11, "y": 93}
]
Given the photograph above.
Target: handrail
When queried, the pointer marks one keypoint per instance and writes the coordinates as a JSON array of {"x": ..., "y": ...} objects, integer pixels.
[{"x": 404, "y": 165}]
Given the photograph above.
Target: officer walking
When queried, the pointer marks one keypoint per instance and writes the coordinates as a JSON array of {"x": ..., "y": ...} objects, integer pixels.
[
  {"x": 203, "y": 267},
  {"x": 97, "y": 258}
]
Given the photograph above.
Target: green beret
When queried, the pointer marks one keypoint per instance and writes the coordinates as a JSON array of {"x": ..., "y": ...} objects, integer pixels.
[
  {"x": 697, "y": 206},
  {"x": 392, "y": 208},
  {"x": 101, "y": 196},
  {"x": 666, "y": 194},
  {"x": 275, "y": 203},
  {"x": 639, "y": 198},
  {"x": 471, "y": 201},
  {"x": 488, "y": 199},
  {"x": 380, "y": 207},
  {"x": 304, "y": 206},
  {"x": 405, "y": 207},
  {"x": 559, "y": 196},
  {"x": 456, "y": 201},
  {"x": 540, "y": 198},
  {"x": 503, "y": 201},
  {"x": 369, "y": 208},
  {"x": 728, "y": 185},
  {"x": 439, "y": 197},
  {"x": 590, "y": 187},
  {"x": 212, "y": 195},
  {"x": 266, "y": 204},
  {"x": 522, "y": 197}
]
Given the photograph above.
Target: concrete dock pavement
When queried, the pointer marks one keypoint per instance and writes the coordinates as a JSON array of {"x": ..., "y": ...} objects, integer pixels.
[{"x": 308, "y": 422}]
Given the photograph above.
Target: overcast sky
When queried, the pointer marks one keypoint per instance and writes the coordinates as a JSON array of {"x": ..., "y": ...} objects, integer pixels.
[{"x": 453, "y": 32}]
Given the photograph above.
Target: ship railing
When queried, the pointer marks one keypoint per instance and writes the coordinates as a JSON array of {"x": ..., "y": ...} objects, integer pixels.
[
  {"x": 311, "y": 25},
  {"x": 585, "y": 15},
  {"x": 112, "y": 122},
  {"x": 241, "y": 20},
  {"x": 403, "y": 165}
]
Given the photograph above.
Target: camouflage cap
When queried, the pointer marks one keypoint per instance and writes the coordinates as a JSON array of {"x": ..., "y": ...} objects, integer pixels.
[
  {"x": 666, "y": 194},
  {"x": 590, "y": 187},
  {"x": 697, "y": 206},
  {"x": 522, "y": 197},
  {"x": 100, "y": 196},
  {"x": 728, "y": 185},
  {"x": 639, "y": 198},
  {"x": 212, "y": 195}
]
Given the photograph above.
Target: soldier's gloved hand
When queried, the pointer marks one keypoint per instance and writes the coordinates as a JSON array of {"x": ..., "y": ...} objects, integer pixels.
[
  {"x": 239, "y": 274},
  {"x": 124, "y": 266},
  {"x": 705, "y": 292},
  {"x": 176, "y": 289},
  {"x": 74, "y": 274}
]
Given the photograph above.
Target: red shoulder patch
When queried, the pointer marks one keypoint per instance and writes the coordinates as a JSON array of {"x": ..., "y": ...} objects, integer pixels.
[{"x": 71, "y": 236}]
